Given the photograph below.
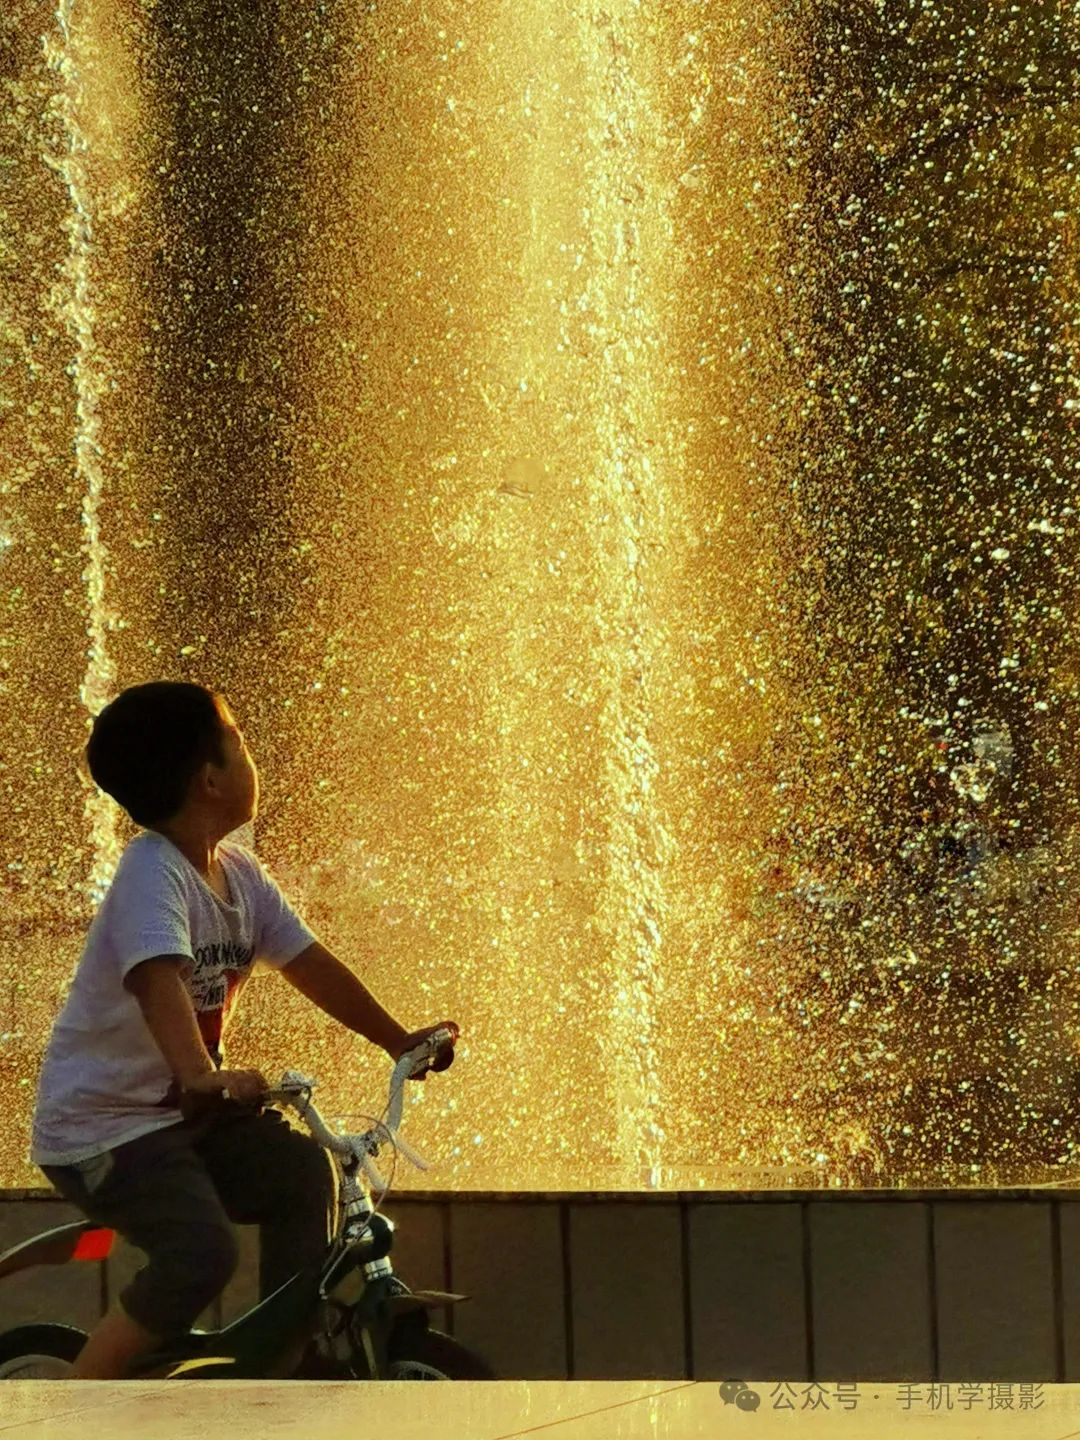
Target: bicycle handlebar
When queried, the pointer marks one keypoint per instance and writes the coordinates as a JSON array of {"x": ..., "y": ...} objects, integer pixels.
[{"x": 294, "y": 1085}]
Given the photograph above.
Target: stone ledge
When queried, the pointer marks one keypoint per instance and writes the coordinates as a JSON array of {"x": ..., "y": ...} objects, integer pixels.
[{"x": 1066, "y": 1190}]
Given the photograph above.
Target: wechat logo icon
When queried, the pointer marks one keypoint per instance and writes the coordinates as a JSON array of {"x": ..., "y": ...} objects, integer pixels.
[{"x": 739, "y": 1392}]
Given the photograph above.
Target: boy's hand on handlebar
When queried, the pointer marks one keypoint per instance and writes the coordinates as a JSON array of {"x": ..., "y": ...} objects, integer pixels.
[
  {"x": 245, "y": 1086},
  {"x": 444, "y": 1057}
]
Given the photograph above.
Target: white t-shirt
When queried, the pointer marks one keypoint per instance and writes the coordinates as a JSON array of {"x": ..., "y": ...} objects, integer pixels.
[{"x": 104, "y": 1080}]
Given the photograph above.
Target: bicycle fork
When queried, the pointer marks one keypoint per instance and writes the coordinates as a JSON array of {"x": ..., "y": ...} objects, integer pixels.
[{"x": 363, "y": 1299}]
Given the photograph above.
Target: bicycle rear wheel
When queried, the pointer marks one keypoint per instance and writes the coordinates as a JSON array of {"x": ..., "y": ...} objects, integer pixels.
[{"x": 40, "y": 1352}]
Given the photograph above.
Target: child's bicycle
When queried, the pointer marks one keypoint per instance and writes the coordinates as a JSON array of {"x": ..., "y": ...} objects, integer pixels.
[{"x": 359, "y": 1321}]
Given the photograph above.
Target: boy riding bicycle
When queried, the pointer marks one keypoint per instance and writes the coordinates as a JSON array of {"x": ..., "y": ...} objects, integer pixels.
[{"x": 184, "y": 921}]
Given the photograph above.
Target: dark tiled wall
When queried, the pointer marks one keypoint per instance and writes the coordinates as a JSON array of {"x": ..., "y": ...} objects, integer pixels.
[
  {"x": 759, "y": 1288},
  {"x": 871, "y": 1291}
]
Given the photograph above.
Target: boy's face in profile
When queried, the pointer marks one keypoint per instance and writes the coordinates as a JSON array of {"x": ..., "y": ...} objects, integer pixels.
[{"x": 238, "y": 782}]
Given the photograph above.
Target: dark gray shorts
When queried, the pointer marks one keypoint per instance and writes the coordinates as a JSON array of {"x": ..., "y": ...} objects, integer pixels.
[{"x": 174, "y": 1195}]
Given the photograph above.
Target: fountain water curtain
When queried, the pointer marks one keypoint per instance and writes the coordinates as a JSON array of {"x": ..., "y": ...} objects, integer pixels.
[{"x": 619, "y": 463}]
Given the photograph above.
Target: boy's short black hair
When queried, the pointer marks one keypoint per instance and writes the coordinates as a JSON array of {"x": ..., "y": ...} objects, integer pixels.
[{"x": 148, "y": 744}]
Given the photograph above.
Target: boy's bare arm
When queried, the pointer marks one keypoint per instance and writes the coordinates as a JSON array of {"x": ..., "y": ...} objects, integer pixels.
[
  {"x": 337, "y": 991},
  {"x": 170, "y": 1016}
]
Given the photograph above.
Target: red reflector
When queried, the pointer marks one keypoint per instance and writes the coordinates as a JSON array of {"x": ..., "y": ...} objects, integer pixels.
[{"x": 94, "y": 1245}]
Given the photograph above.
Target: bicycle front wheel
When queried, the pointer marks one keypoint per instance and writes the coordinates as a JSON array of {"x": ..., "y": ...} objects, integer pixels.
[{"x": 431, "y": 1355}]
